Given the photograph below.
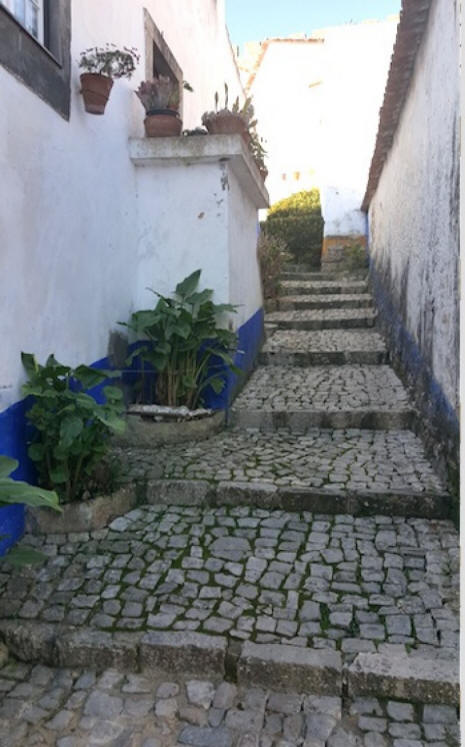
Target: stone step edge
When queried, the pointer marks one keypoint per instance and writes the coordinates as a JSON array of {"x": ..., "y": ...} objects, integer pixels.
[
  {"x": 427, "y": 505},
  {"x": 354, "y": 322},
  {"x": 289, "y": 668},
  {"x": 367, "y": 419},
  {"x": 302, "y": 358},
  {"x": 313, "y": 305}
]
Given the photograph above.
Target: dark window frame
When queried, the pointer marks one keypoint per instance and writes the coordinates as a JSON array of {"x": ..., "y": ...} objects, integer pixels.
[
  {"x": 159, "y": 59},
  {"x": 46, "y": 70}
]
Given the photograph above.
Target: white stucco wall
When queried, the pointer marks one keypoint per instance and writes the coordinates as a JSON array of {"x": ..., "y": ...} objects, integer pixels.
[
  {"x": 414, "y": 212},
  {"x": 70, "y": 243},
  {"x": 317, "y": 106}
]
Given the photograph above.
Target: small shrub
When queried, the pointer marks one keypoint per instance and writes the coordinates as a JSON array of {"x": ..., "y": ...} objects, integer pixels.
[
  {"x": 297, "y": 220},
  {"x": 272, "y": 256},
  {"x": 72, "y": 430},
  {"x": 183, "y": 343}
]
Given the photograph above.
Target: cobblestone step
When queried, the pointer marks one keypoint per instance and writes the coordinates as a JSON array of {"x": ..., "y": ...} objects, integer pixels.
[
  {"x": 337, "y": 301},
  {"x": 317, "y": 319},
  {"x": 308, "y": 598},
  {"x": 322, "y": 470},
  {"x": 326, "y": 347},
  {"x": 67, "y": 707},
  {"x": 307, "y": 273},
  {"x": 315, "y": 288},
  {"x": 297, "y": 398}
]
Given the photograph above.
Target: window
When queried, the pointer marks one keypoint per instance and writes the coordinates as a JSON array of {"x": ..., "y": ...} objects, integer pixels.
[
  {"x": 35, "y": 46},
  {"x": 30, "y": 14},
  {"x": 159, "y": 59}
]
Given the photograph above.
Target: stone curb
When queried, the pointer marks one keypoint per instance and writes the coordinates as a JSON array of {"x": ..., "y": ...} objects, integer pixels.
[
  {"x": 289, "y": 357},
  {"x": 408, "y": 678},
  {"x": 315, "y": 324},
  {"x": 180, "y": 651},
  {"x": 299, "y": 419},
  {"x": 82, "y": 516},
  {"x": 183, "y": 651},
  {"x": 320, "y": 302},
  {"x": 290, "y": 668},
  {"x": 266, "y": 495}
]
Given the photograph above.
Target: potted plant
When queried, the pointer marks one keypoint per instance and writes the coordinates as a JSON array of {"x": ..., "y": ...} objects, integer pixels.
[
  {"x": 225, "y": 121},
  {"x": 101, "y": 65},
  {"x": 181, "y": 351},
  {"x": 160, "y": 98}
]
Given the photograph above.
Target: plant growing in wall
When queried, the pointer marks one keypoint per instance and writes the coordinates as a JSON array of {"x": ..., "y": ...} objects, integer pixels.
[
  {"x": 72, "y": 430},
  {"x": 17, "y": 491},
  {"x": 160, "y": 98},
  {"x": 239, "y": 120},
  {"x": 186, "y": 346},
  {"x": 101, "y": 65}
]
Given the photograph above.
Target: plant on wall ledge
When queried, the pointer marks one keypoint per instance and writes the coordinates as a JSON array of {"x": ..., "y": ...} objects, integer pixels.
[
  {"x": 239, "y": 120},
  {"x": 184, "y": 344},
  {"x": 160, "y": 98},
  {"x": 72, "y": 430},
  {"x": 101, "y": 65},
  {"x": 16, "y": 491}
]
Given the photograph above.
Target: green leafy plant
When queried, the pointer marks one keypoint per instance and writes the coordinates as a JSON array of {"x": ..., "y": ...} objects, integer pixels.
[
  {"x": 71, "y": 428},
  {"x": 298, "y": 221},
  {"x": 110, "y": 61},
  {"x": 181, "y": 340},
  {"x": 16, "y": 491},
  {"x": 272, "y": 256}
]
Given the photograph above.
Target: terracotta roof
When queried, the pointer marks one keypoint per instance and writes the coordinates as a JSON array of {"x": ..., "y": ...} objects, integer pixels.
[
  {"x": 264, "y": 46},
  {"x": 410, "y": 32}
]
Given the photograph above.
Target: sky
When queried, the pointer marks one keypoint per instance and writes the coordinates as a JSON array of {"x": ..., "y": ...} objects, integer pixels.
[{"x": 254, "y": 20}]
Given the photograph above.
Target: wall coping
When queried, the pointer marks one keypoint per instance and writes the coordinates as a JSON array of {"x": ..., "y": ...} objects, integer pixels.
[{"x": 195, "y": 149}]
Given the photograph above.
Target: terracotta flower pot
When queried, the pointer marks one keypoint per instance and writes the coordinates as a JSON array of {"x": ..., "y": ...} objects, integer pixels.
[
  {"x": 162, "y": 123},
  {"x": 227, "y": 123},
  {"x": 95, "y": 89}
]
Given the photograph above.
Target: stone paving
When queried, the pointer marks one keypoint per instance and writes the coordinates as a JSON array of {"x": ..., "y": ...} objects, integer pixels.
[
  {"x": 329, "y": 388},
  {"x": 329, "y": 585},
  {"x": 41, "y": 707},
  {"x": 365, "y": 584},
  {"x": 354, "y": 459}
]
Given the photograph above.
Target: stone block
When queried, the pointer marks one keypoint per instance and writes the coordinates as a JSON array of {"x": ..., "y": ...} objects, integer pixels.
[
  {"x": 183, "y": 652},
  {"x": 407, "y": 678},
  {"x": 98, "y": 649},
  {"x": 178, "y": 492},
  {"x": 290, "y": 668},
  {"x": 30, "y": 641}
]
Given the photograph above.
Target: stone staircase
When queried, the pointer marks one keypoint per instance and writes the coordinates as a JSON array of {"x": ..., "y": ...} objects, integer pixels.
[{"x": 304, "y": 549}]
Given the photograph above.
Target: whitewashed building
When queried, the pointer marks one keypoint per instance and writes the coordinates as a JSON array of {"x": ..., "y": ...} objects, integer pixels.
[
  {"x": 317, "y": 101},
  {"x": 91, "y": 212}
]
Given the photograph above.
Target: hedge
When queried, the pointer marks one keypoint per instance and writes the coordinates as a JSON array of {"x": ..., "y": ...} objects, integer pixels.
[{"x": 298, "y": 221}]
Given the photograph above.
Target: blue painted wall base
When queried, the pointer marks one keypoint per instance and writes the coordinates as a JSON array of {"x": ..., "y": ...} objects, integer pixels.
[{"x": 15, "y": 433}]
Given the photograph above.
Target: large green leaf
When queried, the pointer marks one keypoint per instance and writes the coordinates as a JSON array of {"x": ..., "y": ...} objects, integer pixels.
[
  {"x": 30, "y": 364},
  {"x": 7, "y": 465},
  {"x": 188, "y": 285},
  {"x": 70, "y": 428},
  {"x": 17, "y": 491},
  {"x": 21, "y": 556},
  {"x": 90, "y": 377}
]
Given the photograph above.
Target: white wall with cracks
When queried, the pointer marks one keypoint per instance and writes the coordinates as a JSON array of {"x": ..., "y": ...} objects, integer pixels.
[{"x": 414, "y": 213}]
